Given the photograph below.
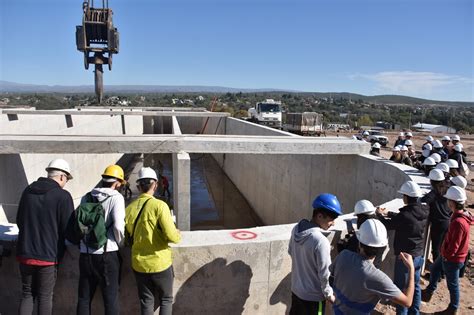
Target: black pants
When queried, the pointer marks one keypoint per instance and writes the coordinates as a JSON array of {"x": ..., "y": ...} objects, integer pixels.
[
  {"x": 437, "y": 236},
  {"x": 303, "y": 307},
  {"x": 102, "y": 270},
  {"x": 37, "y": 287},
  {"x": 161, "y": 283}
]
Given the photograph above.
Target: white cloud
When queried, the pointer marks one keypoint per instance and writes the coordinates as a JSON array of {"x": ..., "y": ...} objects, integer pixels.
[{"x": 411, "y": 82}]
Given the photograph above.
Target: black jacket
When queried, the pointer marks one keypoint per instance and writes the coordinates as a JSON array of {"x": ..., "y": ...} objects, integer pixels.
[
  {"x": 440, "y": 214},
  {"x": 42, "y": 217},
  {"x": 409, "y": 225}
]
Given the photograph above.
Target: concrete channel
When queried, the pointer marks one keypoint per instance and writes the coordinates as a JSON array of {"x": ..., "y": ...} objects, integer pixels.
[{"x": 240, "y": 206}]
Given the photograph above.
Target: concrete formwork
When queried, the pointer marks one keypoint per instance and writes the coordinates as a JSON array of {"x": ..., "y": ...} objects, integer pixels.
[
  {"x": 241, "y": 271},
  {"x": 18, "y": 170}
]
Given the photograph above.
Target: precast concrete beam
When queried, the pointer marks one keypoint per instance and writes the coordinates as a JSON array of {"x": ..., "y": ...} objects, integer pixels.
[
  {"x": 14, "y": 144},
  {"x": 182, "y": 190},
  {"x": 185, "y": 109},
  {"x": 12, "y": 112}
]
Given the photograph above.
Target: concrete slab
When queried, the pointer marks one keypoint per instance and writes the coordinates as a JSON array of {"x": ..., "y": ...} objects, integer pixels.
[{"x": 113, "y": 112}]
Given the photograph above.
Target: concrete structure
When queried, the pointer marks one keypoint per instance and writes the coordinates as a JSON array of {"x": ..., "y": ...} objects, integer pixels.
[{"x": 226, "y": 271}]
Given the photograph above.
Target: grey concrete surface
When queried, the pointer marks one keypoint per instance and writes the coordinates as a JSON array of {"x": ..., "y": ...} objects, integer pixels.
[{"x": 22, "y": 112}]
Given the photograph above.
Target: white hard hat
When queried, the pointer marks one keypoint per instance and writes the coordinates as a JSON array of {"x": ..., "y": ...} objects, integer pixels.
[
  {"x": 457, "y": 194},
  {"x": 429, "y": 138},
  {"x": 408, "y": 142},
  {"x": 458, "y": 147},
  {"x": 396, "y": 149},
  {"x": 410, "y": 188},
  {"x": 428, "y": 146},
  {"x": 147, "y": 172},
  {"x": 376, "y": 145},
  {"x": 452, "y": 163},
  {"x": 400, "y": 134},
  {"x": 459, "y": 181},
  {"x": 426, "y": 153},
  {"x": 408, "y": 134},
  {"x": 437, "y": 175},
  {"x": 404, "y": 148},
  {"x": 443, "y": 167},
  {"x": 61, "y": 165},
  {"x": 437, "y": 144},
  {"x": 456, "y": 138},
  {"x": 436, "y": 157},
  {"x": 446, "y": 138},
  {"x": 366, "y": 133},
  {"x": 429, "y": 161},
  {"x": 364, "y": 206},
  {"x": 372, "y": 233}
]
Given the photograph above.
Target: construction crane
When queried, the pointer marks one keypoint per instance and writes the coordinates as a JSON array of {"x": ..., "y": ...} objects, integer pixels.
[{"x": 98, "y": 39}]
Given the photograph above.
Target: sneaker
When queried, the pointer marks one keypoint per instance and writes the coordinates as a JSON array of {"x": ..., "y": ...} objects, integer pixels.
[
  {"x": 449, "y": 311},
  {"x": 426, "y": 295}
]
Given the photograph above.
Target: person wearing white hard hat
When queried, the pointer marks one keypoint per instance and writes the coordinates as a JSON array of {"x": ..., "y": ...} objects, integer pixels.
[
  {"x": 363, "y": 210},
  {"x": 456, "y": 139},
  {"x": 149, "y": 225},
  {"x": 460, "y": 156},
  {"x": 399, "y": 140},
  {"x": 43, "y": 213},
  {"x": 358, "y": 284},
  {"x": 454, "y": 250},
  {"x": 445, "y": 169},
  {"x": 396, "y": 155},
  {"x": 446, "y": 147},
  {"x": 365, "y": 136},
  {"x": 439, "y": 149},
  {"x": 429, "y": 141},
  {"x": 409, "y": 226},
  {"x": 428, "y": 164},
  {"x": 459, "y": 181},
  {"x": 436, "y": 157},
  {"x": 100, "y": 267},
  {"x": 405, "y": 159},
  {"x": 440, "y": 213},
  {"x": 421, "y": 158},
  {"x": 408, "y": 136},
  {"x": 411, "y": 150},
  {"x": 375, "y": 149},
  {"x": 453, "y": 167}
]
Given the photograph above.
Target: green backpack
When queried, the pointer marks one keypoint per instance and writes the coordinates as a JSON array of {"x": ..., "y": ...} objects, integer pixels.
[{"x": 88, "y": 224}]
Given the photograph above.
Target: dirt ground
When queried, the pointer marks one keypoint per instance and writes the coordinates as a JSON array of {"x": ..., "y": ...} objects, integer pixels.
[{"x": 440, "y": 299}]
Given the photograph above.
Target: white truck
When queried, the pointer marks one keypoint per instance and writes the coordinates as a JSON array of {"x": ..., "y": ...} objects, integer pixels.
[
  {"x": 307, "y": 123},
  {"x": 266, "y": 113}
]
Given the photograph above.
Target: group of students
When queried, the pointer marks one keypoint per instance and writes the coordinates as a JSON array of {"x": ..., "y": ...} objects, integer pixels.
[
  {"x": 46, "y": 216},
  {"x": 447, "y": 150},
  {"x": 352, "y": 283}
]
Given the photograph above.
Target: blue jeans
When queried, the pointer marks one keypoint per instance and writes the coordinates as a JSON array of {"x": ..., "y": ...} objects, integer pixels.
[
  {"x": 451, "y": 271},
  {"x": 401, "y": 281}
]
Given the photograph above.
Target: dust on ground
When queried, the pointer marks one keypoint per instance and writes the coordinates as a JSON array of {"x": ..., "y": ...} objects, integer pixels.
[{"x": 440, "y": 298}]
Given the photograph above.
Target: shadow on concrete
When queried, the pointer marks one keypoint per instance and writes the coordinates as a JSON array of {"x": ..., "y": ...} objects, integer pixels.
[
  {"x": 216, "y": 295},
  {"x": 11, "y": 167},
  {"x": 282, "y": 293}
]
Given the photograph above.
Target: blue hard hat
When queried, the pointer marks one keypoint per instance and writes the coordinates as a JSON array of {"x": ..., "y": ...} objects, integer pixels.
[{"x": 328, "y": 202}]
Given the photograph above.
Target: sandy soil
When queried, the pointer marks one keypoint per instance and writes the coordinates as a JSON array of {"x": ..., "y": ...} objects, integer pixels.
[{"x": 440, "y": 299}]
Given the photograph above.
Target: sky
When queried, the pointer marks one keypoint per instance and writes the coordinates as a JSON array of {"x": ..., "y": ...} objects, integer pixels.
[{"x": 421, "y": 48}]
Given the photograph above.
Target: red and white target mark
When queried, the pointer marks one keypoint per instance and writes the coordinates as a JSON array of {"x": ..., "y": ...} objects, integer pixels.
[{"x": 243, "y": 235}]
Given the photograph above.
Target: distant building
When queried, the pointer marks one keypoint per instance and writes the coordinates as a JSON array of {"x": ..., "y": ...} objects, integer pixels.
[
  {"x": 433, "y": 128},
  {"x": 333, "y": 126},
  {"x": 387, "y": 125}
]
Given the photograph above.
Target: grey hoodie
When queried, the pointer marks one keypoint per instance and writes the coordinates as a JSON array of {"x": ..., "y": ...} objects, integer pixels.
[
  {"x": 114, "y": 208},
  {"x": 310, "y": 253}
]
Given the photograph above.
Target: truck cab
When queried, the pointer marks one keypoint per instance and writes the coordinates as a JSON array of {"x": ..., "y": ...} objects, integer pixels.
[{"x": 267, "y": 113}]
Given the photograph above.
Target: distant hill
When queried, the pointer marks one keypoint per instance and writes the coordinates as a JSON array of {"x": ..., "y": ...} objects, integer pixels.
[
  {"x": 12, "y": 87},
  {"x": 6, "y": 86}
]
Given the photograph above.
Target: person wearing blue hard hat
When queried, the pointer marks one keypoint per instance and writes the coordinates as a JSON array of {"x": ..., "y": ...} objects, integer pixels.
[{"x": 310, "y": 253}]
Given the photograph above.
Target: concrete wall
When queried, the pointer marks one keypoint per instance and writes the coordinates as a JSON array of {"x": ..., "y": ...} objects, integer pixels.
[
  {"x": 281, "y": 188},
  {"x": 18, "y": 170}
]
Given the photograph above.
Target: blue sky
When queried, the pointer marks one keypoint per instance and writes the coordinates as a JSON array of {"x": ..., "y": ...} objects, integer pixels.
[{"x": 420, "y": 48}]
